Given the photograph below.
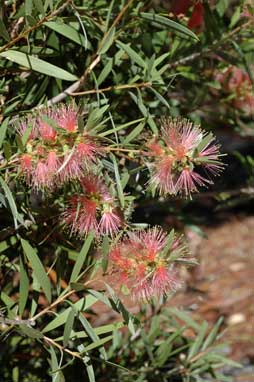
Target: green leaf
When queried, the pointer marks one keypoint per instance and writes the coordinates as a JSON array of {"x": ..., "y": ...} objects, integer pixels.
[
  {"x": 184, "y": 317},
  {"x": 91, "y": 333},
  {"x": 23, "y": 287},
  {"x": 28, "y": 7},
  {"x": 37, "y": 267},
  {"x": 82, "y": 305},
  {"x": 39, "y": 6},
  {"x": 98, "y": 343},
  {"x": 134, "y": 133},
  {"x": 160, "y": 98},
  {"x": 107, "y": 41},
  {"x": 163, "y": 21},
  {"x": 208, "y": 138},
  {"x": 57, "y": 376},
  {"x": 81, "y": 257},
  {"x": 195, "y": 347},
  {"x": 67, "y": 31},
  {"x": 132, "y": 54},
  {"x": 118, "y": 181},
  {"x": 12, "y": 204},
  {"x": 236, "y": 17},
  {"x": 68, "y": 326},
  {"x": 89, "y": 367},
  {"x": 169, "y": 242},
  {"x": 38, "y": 65},
  {"x": 222, "y": 6},
  {"x": 30, "y": 332},
  {"x": 3, "y": 130},
  {"x": 105, "y": 71},
  {"x": 100, "y": 330},
  {"x": 164, "y": 350},
  {"x": 212, "y": 335},
  {"x": 3, "y": 31},
  {"x": 120, "y": 127}
]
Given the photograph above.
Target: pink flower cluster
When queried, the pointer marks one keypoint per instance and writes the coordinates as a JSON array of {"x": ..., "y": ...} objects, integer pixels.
[
  {"x": 56, "y": 151},
  {"x": 93, "y": 210},
  {"x": 144, "y": 262},
  {"x": 178, "y": 155},
  {"x": 236, "y": 82}
]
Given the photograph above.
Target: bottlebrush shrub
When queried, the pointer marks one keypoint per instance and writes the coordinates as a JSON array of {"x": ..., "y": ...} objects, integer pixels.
[
  {"x": 66, "y": 161},
  {"x": 74, "y": 179}
]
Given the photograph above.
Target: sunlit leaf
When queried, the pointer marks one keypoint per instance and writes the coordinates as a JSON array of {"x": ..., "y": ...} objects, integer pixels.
[{"x": 37, "y": 65}]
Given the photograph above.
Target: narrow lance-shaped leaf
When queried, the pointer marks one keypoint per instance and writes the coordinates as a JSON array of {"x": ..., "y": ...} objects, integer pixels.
[
  {"x": 132, "y": 54},
  {"x": 91, "y": 333},
  {"x": 107, "y": 41},
  {"x": 23, "y": 287},
  {"x": 3, "y": 31},
  {"x": 37, "y": 65},
  {"x": 195, "y": 347},
  {"x": 37, "y": 267},
  {"x": 118, "y": 181},
  {"x": 12, "y": 204},
  {"x": 81, "y": 257},
  {"x": 68, "y": 327},
  {"x": 134, "y": 133},
  {"x": 212, "y": 335},
  {"x": 67, "y": 31},
  {"x": 165, "y": 22},
  {"x": 3, "y": 130}
]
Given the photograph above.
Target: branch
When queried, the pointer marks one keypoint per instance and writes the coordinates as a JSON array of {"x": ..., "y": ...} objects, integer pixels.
[
  {"x": 209, "y": 49},
  {"x": 112, "y": 88}
]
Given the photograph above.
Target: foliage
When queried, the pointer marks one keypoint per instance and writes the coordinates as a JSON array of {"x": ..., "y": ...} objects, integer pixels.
[{"x": 76, "y": 174}]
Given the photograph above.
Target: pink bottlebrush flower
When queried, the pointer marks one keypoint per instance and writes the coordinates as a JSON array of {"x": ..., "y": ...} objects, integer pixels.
[
  {"x": 86, "y": 150},
  {"x": 70, "y": 168},
  {"x": 109, "y": 223},
  {"x": 26, "y": 124},
  {"x": 163, "y": 177},
  {"x": 184, "y": 148},
  {"x": 26, "y": 163},
  {"x": 189, "y": 180},
  {"x": 41, "y": 177},
  {"x": 164, "y": 280},
  {"x": 93, "y": 210},
  {"x": 52, "y": 162},
  {"x": 94, "y": 186},
  {"x": 181, "y": 136},
  {"x": 154, "y": 239},
  {"x": 47, "y": 132},
  {"x": 56, "y": 141},
  {"x": 27, "y": 166},
  {"x": 87, "y": 217},
  {"x": 68, "y": 119},
  {"x": 142, "y": 262}
]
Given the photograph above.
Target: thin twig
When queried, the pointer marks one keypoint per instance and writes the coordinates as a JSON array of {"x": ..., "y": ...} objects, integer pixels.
[
  {"x": 54, "y": 343},
  {"x": 51, "y": 306},
  {"x": 112, "y": 88}
]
